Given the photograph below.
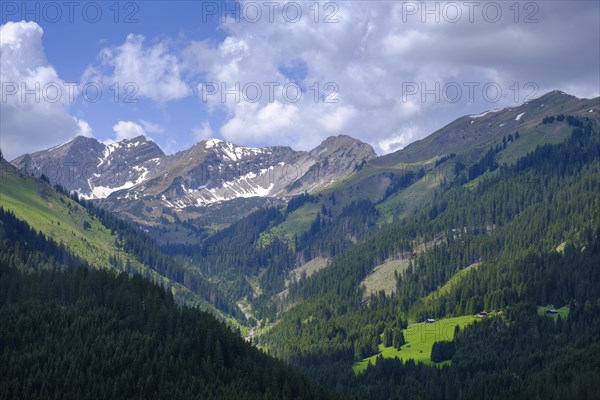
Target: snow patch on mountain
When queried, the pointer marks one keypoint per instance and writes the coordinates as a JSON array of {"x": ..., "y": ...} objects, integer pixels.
[
  {"x": 60, "y": 145},
  {"x": 483, "y": 114}
]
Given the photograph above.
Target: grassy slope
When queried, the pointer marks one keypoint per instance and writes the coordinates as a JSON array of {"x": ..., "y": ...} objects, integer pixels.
[
  {"x": 471, "y": 137},
  {"x": 383, "y": 278},
  {"x": 310, "y": 268},
  {"x": 372, "y": 180},
  {"x": 413, "y": 196},
  {"x": 453, "y": 281},
  {"x": 61, "y": 219},
  {"x": 295, "y": 223},
  {"x": 489, "y": 132},
  {"x": 531, "y": 136},
  {"x": 419, "y": 341}
]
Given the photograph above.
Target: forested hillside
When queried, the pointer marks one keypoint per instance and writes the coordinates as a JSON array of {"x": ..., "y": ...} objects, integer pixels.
[
  {"x": 248, "y": 200},
  {"x": 244, "y": 253},
  {"x": 69, "y": 331},
  {"x": 258, "y": 261},
  {"x": 523, "y": 234},
  {"x": 521, "y": 356}
]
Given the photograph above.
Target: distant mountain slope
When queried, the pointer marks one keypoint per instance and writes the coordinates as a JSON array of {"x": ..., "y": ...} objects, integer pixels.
[
  {"x": 252, "y": 264},
  {"x": 399, "y": 182},
  {"x": 136, "y": 180},
  {"x": 102, "y": 240},
  {"x": 471, "y": 135},
  {"x": 93, "y": 169},
  {"x": 385, "y": 180}
]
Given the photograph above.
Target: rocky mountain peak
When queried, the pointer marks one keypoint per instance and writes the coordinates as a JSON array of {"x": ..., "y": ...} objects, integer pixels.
[
  {"x": 136, "y": 145},
  {"x": 232, "y": 152},
  {"x": 344, "y": 145}
]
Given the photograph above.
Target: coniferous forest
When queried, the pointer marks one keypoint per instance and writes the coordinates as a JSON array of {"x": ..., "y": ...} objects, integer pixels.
[
  {"x": 509, "y": 224},
  {"x": 72, "y": 332}
]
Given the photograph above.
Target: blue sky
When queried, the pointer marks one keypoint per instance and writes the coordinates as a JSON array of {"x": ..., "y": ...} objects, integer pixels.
[{"x": 294, "y": 73}]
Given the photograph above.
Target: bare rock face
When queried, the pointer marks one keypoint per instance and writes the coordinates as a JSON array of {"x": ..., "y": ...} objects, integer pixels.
[{"x": 93, "y": 169}]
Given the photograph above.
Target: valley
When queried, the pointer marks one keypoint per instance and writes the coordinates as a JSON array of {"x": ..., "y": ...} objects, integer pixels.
[{"x": 336, "y": 200}]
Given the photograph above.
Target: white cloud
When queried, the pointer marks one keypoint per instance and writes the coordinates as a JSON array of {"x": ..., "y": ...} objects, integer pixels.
[
  {"x": 371, "y": 53},
  {"x": 37, "y": 120},
  {"x": 396, "y": 44},
  {"x": 127, "y": 130},
  {"x": 255, "y": 124},
  {"x": 84, "y": 128},
  {"x": 233, "y": 47},
  {"x": 203, "y": 132},
  {"x": 398, "y": 141},
  {"x": 151, "y": 127},
  {"x": 154, "y": 70},
  {"x": 199, "y": 55},
  {"x": 338, "y": 119}
]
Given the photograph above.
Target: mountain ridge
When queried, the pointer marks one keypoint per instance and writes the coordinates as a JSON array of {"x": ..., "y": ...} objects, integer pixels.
[
  {"x": 467, "y": 128},
  {"x": 210, "y": 171},
  {"x": 136, "y": 180}
]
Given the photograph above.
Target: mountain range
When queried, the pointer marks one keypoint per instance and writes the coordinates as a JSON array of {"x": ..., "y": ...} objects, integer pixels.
[
  {"x": 136, "y": 171},
  {"x": 135, "y": 179}
]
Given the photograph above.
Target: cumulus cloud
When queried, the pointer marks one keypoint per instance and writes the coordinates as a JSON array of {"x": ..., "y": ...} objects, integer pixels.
[
  {"x": 84, "y": 128},
  {"x": 151, "y": 127},
  {"x": 152, "y": 68},
  {"x": 127, "y": 130},
  {"x": 203, "y": 132},
  {"x": 253, "y": 123},
  {"x": 35, "y": 100},
  {"x": 378, "y": 72},
  {"x": 375, "y": 52},
  {"x": 398, "y": 140}
]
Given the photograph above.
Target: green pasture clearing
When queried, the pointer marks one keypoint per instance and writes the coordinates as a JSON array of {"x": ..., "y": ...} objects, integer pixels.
[
  {"x": 562, "y": 312},
  {"x": 419, "y": 341}
]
